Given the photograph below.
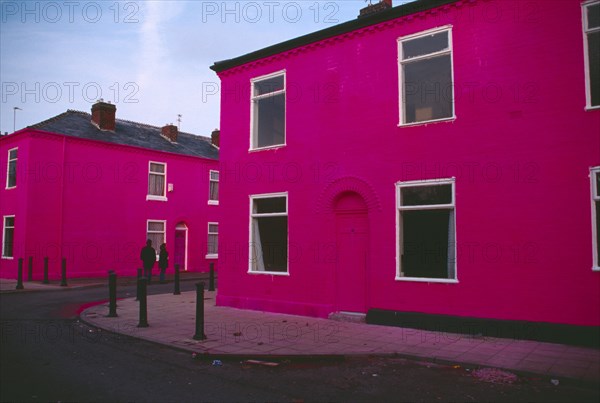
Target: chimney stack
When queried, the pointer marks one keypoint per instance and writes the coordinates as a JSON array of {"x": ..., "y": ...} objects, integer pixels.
[
  {"x": 170, "y": 132},
  {"x": 214, "y": 137},
  {"x": 375, "y": 8},
  {"x": 103, "y": 115}
]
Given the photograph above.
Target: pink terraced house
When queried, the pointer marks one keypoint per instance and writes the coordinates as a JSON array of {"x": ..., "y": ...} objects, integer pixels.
[
  {"x": 92, "y": 188},
  {"x": 435, "y": 163}
]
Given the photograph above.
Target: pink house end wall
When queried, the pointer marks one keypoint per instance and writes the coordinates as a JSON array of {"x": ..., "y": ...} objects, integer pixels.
[
  {"x": 86, "y": 201},
  {"x": 519, "y": 149}
]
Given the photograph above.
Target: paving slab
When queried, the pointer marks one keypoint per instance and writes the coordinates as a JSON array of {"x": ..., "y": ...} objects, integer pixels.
[{"x": 255, "y": 334}]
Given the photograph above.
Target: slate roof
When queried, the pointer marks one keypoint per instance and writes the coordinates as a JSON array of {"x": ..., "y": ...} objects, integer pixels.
[
  {"x": 352, "y": 25},
  {"x": 78, "y": 124}
]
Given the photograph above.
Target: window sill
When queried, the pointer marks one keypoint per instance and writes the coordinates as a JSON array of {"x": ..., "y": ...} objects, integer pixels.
[
  {"x": 10, "y": 188},
  {"x": 213, "y": 202},
  {"x": 271, "y": 273},
  {"x": 428, "y": 280},
  {"x": 426, "y": 122},
  {"x": 212, "y": 256},
  {"x": 251, "y": 150},
  {"x": 156, "y": 198},
  {"x": 592, "y": 108},
  {"x": 596, "y": 268},
  {"x": 8, "y": 257}
]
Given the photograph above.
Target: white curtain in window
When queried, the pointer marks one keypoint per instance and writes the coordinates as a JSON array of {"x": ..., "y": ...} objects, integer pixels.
[
  {"x": 214, "y": 190},
  {"x": 258, "y": 263},
  {"x": 451, "y": 246},
  {"x": 156, "y": 185}
]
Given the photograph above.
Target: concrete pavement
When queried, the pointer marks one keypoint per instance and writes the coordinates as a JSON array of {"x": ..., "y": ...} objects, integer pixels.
[{"x": 270, "y": 336}]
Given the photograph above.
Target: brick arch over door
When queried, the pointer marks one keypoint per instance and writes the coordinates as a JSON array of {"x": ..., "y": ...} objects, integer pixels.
[{"x": 327, "y": 199}]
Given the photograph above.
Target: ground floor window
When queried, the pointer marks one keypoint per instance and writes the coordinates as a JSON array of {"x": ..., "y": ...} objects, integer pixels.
[
  {"x": 212, "y": 249},
  {"x": 155, "y": 232},
  {"x": 8, "y": 236},
  {"x": 269, "y": 233},
  {"x": 426, "y": 230},
  {"x": 595, "y": 176}
]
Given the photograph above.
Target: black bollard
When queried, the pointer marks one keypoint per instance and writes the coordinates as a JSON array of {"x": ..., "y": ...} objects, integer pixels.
[
  {"x": 20, "y": 275},
  {"x": 211, "y": 279},
  {"x": 46, "y": 281},
  {"x": 143, "y": 284},
  {"x": 30, "y": 269},
  {"x": 112, "y": 294},
  {"x": 137, "y": 291},
  {"x": 176, "y": 282},
  {"x": 199, "y": 312},
  {"x": 63, "y": 281}
]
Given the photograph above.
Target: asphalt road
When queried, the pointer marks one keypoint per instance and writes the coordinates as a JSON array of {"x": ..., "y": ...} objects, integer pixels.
[{"x": 47, "y": 354}]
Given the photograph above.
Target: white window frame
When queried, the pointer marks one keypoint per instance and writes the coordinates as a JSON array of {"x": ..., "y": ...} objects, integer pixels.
[
  {"x": 401, "y": 62},
  {"x": 251, "y": 244},
  {"x": 254, "y": 98},
  {"x": 4, "y": 228},
  {"x": 210, "y": 182},
  {"x": 208, "y": 254},
  {"x": 164, "y": 232},
  {"x": 164, "y": 195},
  {"x": 595, "y": 236},
  {"x": 399, "y": 208},
  {"x": 586, "y": 31},
  {"x": 9, "y": 160}
]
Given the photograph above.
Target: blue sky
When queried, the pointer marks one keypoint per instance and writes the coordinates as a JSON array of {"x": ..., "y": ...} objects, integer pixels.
[{"x": 150, "y": 58}]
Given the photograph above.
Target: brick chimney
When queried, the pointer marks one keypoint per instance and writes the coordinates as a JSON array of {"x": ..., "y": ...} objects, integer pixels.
[
  {"x": 170, "y": 132},
  {"x": 214, "y": 137},
  {"x": 375, "y": 8},
  {"x": 103, "y": 115}
]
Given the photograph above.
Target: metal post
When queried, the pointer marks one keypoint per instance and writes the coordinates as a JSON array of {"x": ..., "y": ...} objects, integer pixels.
[
  {"x": 63, "y": 281},
  {"x": 46, "y": 281},
  {"x": 211, "y": 280},
  {"x": 20, "y": 275},
  {"x": 143, "y": 284},
  {"x": 137, "y": 291},
  {"x": 30, "y": 269},
  {"x": 112, "y": 294},
  {"x": 199, "y": 312},
  {"x": 176, "y": 291}
]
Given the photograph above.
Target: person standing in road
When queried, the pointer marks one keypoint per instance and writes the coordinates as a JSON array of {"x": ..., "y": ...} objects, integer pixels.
[
  {"x": 148, "y": 256},
  {"x": 163, "y": 262}
]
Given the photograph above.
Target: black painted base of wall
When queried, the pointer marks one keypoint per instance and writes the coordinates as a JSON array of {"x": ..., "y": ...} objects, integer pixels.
[{"x": 587, "y": 336}]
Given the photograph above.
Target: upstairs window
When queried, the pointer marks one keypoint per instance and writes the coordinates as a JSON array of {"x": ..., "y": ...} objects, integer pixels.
[
  {"x": 11, "y": 169},
  {"x": 426, "y": 231},
  {"x": 426, "y": 90},
  {"x": 268, "y": 111},
  {"x": 213, "y": 189},
  {"x": 8, "y": 236},
  {"x": 595, "y": 176},
  {"x": 157, "y": 179},
  {"x": 269, "y": 234},
  {"x": 591, "y": 29},
  {"x": 212, "y": 250}
]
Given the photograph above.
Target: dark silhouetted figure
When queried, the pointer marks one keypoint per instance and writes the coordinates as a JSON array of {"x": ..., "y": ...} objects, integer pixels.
[
  {"x": 148, "y": 257},
  {"x": 163, "y": 262}
]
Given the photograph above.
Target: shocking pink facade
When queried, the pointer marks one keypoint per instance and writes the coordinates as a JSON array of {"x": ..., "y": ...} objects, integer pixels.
[
  {"x": 520, "y": 150},
  {"x": 85, "y": 200}
]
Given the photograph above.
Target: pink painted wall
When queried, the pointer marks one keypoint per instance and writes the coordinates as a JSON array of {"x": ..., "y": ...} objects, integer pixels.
[
  {"x": 520, "y": 149},
  {"x": 86, "y": 200}
]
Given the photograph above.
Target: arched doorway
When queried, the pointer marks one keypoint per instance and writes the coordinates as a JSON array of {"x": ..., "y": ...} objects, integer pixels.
[
  {"x": 352, "y": 240},
  {"x": 180, "y": 249}
]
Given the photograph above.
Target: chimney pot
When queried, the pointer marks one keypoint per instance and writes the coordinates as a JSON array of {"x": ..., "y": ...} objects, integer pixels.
[
  {"x": 170, "y": 131},
  {"x": 103, "y": 115},
  {"x": 375, "y": 8},
  {"x": 214, "y": 137}
]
